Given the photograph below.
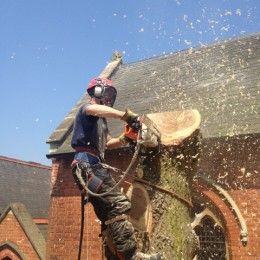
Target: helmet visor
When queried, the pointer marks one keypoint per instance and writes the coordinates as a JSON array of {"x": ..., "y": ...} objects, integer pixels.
[{"x": 109, "y": 95}]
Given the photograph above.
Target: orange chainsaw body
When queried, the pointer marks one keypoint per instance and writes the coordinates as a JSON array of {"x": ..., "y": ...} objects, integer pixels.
[{"x": 130, "y": 132}]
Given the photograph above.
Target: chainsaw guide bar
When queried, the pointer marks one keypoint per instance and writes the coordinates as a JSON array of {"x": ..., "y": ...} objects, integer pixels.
[{"x": 151, "y": 126}]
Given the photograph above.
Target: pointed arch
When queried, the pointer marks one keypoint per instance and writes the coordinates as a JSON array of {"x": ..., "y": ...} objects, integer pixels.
[
  {"x": 212, "y": 239},
  {"x": 9, "y": 250},
  {"x": 230, "y": 203}
]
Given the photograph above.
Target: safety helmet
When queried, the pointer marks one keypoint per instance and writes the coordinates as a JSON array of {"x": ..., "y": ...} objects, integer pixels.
[{"x": 102, "y": 89}]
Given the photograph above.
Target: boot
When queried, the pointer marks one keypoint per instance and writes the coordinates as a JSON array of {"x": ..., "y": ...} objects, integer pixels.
[{"x": 142, "y": 256}]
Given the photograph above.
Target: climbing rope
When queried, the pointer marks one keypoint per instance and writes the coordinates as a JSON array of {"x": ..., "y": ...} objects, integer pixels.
[
  {"x": 106, "y": 166},
  {"x": 82, "y": 226},
  {"x": 189, "y": 203}
]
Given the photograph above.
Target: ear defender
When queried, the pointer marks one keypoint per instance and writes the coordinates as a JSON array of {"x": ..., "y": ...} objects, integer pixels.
[{"x": 98, "y": 91}]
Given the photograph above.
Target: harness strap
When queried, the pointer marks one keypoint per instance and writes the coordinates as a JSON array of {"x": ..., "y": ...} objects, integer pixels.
[
  {"x": 94, "y": 183},
  {"x": 86, "y": 179},
  {"x": 117, "y": 218},
  {"x": 89, "y": 150},
  {"x": 84, "y": 157}
]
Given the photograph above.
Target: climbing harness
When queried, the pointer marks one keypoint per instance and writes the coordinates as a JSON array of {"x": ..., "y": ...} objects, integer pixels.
[
  {"x": 92, "y": 183},
  {"x": 117, "y": 218}
]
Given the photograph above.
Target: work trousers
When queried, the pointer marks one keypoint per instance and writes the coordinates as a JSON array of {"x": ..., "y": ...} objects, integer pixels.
[{"x": 108, "y": 207}]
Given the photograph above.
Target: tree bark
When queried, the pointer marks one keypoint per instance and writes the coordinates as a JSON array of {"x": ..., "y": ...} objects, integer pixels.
[{"x": 172, "y": 169}]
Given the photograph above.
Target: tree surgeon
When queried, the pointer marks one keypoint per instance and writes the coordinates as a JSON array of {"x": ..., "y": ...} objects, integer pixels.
[{"x": 90, "y": 138}]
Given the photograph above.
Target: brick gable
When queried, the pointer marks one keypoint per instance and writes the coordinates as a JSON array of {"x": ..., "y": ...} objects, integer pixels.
[{"x": 17, "y": 227}]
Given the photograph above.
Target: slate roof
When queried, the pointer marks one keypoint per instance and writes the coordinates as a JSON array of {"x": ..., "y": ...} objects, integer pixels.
[
  {"x": 220, "y": 80},
  {"x": 27, "y": 183}
]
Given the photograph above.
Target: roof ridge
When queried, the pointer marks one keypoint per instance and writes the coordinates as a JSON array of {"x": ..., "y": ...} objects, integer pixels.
[
  {"x": 196, "y": 48},
  {"x": 34, "y": 164}
]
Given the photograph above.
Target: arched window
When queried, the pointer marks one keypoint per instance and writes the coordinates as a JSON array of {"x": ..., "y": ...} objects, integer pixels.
[
  {"x": 211, "y": 234},
  {"x": 212, "y": 240},
  {"x": 9, "y": 251}
]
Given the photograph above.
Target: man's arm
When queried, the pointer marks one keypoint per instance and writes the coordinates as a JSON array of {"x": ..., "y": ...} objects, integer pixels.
[
  {"x": 103, "y": 111},
  {"x": 109, "y": 112},
  {"x": 113, "y": 143}
]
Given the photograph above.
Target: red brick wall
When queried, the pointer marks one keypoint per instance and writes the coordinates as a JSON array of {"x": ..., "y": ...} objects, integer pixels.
[
  {"x": 65, "y": 219},
  {"x": 65, "y": 212},
  {"x": 11, "y": 231},
  {"x": 233, "y": 163},
  {"x": 248, "y": 201}
]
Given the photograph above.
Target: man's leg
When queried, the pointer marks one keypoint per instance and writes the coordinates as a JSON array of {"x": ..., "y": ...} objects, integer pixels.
[
  {"x": 112, "y": 209},
  {"x": 111, "y": 206}
]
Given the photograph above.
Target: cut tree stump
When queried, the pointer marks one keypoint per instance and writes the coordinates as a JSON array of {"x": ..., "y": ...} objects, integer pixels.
[
  {"x": 163, "y": 174},
  {"x": 175, "y": 126}
]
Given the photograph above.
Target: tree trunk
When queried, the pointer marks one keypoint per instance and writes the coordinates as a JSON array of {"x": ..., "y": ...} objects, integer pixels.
[{"x": 170, "y": 172}]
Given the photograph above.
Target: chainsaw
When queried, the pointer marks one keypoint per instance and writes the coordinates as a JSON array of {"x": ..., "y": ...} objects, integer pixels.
[{"x": 146, "y": 132}]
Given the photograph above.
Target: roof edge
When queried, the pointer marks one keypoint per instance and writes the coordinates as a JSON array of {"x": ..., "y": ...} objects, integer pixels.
[
  {"x": 199, "y": 47},
  {"x": 33, "y": 164},
  {"x": 33, "y": 233}
]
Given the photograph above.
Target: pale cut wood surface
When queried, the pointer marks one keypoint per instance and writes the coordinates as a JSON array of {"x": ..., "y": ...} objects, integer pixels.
[{"x": 175, "y": 126}]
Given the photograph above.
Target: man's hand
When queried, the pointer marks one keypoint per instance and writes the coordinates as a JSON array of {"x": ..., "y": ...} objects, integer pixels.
[
  {"x": 124, "y": 140},
  {"x": 132, "y": 119}
]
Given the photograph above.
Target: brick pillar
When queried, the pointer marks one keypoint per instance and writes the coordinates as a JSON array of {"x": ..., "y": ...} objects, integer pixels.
[{"x": 65, "y": 219}]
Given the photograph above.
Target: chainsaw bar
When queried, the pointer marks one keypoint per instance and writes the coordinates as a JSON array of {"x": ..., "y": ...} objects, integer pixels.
[{"x": 151, "y": 126}]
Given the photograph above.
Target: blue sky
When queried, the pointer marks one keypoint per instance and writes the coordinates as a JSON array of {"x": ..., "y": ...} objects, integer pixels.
[{"x": 49, "y": 50}]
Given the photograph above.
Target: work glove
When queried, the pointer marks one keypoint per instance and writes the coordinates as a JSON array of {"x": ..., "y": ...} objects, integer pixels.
[
  {"x": 132, "y": 119},
  {"x": 123, "y": 139}
]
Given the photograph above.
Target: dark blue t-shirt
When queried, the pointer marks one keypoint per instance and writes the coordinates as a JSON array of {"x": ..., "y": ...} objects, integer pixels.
[{"x": 89, "y": 131}]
